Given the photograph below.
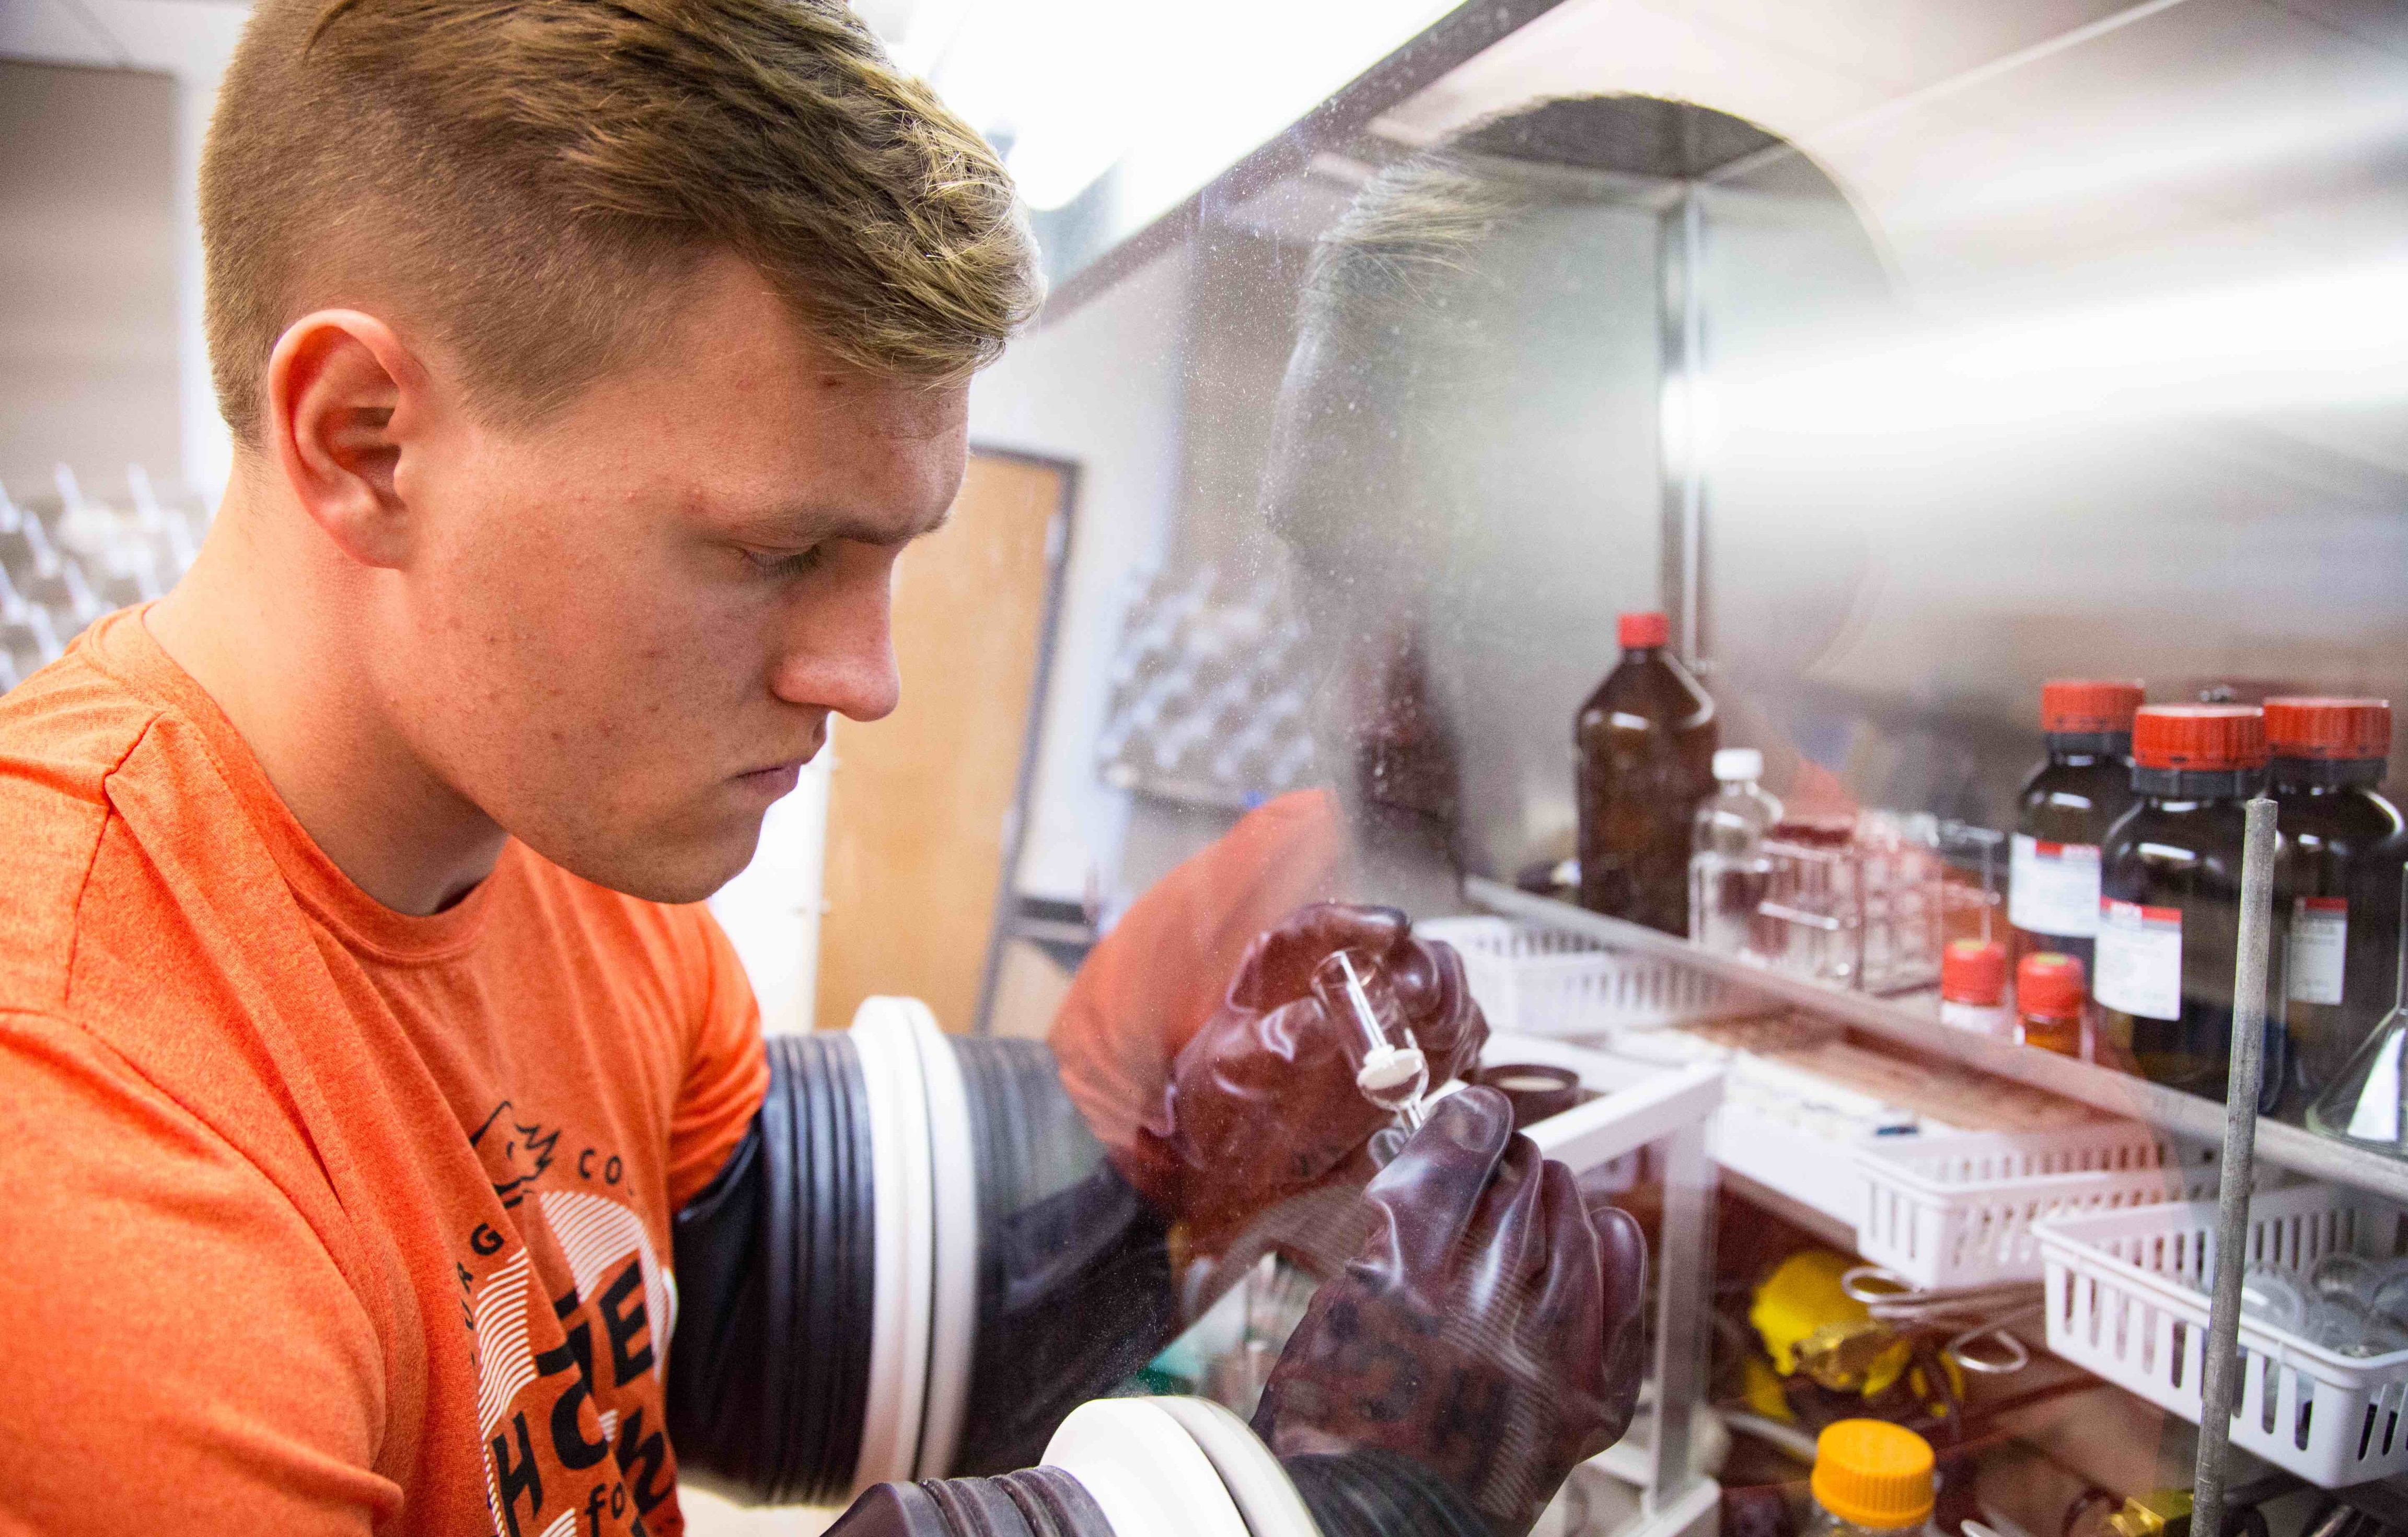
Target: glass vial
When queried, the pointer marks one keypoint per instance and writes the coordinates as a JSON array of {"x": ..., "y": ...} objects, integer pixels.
[
  {"x": 1871, "y": 1477},
  {"x": 1974, "y": 988},
  {"x": 2050, "y": 994}
]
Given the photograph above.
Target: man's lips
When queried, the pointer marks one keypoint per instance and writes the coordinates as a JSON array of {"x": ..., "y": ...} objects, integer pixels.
[
  {"x": 774, "y": 782},
  {"x": 782, "y": 777}
]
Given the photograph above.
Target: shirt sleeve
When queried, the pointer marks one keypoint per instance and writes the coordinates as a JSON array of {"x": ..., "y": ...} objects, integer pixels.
[
  {"x": 727, "y": 1071},
  {"x": 184, "y": 1354}
]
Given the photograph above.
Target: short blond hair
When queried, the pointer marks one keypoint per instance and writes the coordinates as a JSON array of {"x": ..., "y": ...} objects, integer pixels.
[{"x": 527, "y": 178}]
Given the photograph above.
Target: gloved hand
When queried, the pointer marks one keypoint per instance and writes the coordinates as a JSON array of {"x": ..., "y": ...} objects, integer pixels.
[
  {"x": 1262, "y": 1103},
  {"x": 1489, "y": 1333}
]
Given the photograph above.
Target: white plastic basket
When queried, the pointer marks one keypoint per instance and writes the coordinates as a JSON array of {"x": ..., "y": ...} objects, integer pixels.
[
  {"x": 1543, "y": 981},
  {"x": 1957, "y": 1210},
  {"x": 2128, "y": 1299}
]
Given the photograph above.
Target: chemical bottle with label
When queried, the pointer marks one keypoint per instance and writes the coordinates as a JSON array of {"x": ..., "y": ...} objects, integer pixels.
[
  {"x": 2328, "y": 756},
  {"x": 1872, "y": 1479},
  {"x": 2367, "y": 1102},
  {"x": 2068, "y": 805},
  {"x": 1728, "y": 869},
  {"x": 1645, "y": 747},
  {"x": 2169, "y": 898},
  {"x": 2050, "y": 999},
  {"x": 1974, "y": 988}
]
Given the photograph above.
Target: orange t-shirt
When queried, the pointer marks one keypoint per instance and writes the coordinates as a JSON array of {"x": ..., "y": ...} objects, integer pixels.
[{"x": 323, "y": 1218}]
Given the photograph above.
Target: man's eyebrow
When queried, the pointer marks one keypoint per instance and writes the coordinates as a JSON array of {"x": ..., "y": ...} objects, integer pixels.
[{"x": 812, "y": 522}]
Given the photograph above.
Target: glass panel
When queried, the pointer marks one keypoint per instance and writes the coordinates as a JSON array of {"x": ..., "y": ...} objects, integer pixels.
[{"x": 1904, "y": 358}]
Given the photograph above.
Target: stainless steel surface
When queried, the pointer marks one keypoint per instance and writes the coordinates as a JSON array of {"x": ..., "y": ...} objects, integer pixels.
[
  {"x": 2160, "y": 227},
  {"x": 1683, "y": 449},
  {"x": 1916, "y": 1024},
  {"x": 1094, "y": 243},
  {"x": 2220, "y": 1380},
  {"x": 1484, "y": 473}
]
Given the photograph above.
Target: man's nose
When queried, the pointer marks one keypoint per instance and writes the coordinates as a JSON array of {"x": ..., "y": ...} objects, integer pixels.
[{"x": 840, "y": 656}]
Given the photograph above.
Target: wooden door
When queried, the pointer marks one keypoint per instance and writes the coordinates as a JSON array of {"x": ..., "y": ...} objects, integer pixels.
[{"x": 920, "y": 806}]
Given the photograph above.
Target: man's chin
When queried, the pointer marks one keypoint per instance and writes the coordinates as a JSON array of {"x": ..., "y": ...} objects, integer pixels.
[{"x": 665, "y": 868}]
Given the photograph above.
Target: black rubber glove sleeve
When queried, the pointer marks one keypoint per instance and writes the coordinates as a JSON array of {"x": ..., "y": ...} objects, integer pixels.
[
  {"x": 1034, "y": 1503},
  {"x": 1075, "y": 1285},
  {"x": 768, "y": 1379},
  {"x": 1376, "y": 1493}
]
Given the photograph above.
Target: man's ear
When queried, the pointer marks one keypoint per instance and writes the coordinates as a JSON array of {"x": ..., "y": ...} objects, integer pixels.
[{"x": 339, "y": 383}]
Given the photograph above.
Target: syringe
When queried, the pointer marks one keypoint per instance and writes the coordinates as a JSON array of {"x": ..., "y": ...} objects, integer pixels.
[{"x": 1390, "y": 1069}]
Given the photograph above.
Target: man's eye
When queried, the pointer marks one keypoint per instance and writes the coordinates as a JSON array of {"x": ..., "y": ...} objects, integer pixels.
[{"x": 786, "y": 563}]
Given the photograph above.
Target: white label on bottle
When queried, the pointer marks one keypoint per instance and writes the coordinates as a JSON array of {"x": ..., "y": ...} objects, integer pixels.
[
  {"x": 1981, "y": 1018},
  {"x": 2139, "y": 959},
  {"x": 2319, "y": 936},
  {"x": 2052, "y": 888}
]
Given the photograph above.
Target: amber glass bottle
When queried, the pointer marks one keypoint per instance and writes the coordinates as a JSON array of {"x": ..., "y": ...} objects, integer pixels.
[
  {"x": 2068, "y": 805},
  {"x": 2328, "y": 756},
  {"x": 1645, "y": 747},
  {"x": 2169, "y": 898}
]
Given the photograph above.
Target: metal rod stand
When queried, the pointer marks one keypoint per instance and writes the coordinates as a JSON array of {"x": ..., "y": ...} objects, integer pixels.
[{"x": 2221, "y": 1381}]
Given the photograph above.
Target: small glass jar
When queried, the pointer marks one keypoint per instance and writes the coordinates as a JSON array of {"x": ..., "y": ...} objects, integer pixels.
[
  {"x": 1872, "y": 1479},
  {"x": 2049, "y": 994},
  {"x": 1974, "y": 988}
]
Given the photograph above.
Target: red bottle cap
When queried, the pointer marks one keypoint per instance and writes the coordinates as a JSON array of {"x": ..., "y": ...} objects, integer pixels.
[
  {"x": 2049, "y": 986},
  {"x": 1974, "y": 970},
  {"x": 2088, "y": 704},
  {"x": 1638, "y": 630},
  {"x": 2206, "y": 738},
  {"x": 2339, "y": 729}
]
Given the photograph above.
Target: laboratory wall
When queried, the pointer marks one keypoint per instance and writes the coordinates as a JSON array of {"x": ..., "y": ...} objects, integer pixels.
[{"x": 88, "y": 235}]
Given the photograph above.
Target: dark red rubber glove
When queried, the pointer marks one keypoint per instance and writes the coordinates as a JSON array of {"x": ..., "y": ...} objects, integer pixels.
[
  {"x": 1262, "y": 1104},
  {"x": 1489, "y": 1333}
]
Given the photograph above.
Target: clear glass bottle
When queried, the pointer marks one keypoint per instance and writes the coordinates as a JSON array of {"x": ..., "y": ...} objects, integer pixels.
[
  {"x": 2068, "y": 805},
  {"x": 1728, "y": 869},
  {"x": 1872, "y": 1479},
  {"x": 2328, "y": 756},
  {"x": 2170, "y": 899},
  {"x": 1645, "y": 745}
]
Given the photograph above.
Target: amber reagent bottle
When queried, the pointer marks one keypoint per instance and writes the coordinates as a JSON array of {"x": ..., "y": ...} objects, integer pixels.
[
  {"x": 2328, "y": 756},
  {"x": 2067, "y": 806},
  {"x": 1644, "y": 743},
  {"x": 2169, "y": 898}
]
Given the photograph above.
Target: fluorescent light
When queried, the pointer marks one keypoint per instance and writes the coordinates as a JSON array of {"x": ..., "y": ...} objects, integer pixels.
[
  {"x": 2336, "y": 337},
  {"x": 1173, "y": 94}
]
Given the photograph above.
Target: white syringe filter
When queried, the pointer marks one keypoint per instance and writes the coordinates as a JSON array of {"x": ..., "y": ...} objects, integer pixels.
[{"x": 1738, "y": 765}]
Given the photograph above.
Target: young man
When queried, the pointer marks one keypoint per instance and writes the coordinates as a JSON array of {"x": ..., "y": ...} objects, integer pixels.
[{"x": 589, "y": 365}]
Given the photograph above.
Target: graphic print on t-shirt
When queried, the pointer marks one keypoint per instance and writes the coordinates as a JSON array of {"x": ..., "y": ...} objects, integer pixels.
[
  {"x": 521, "y": 1148},
  {"x": 569, "y": 1356}
]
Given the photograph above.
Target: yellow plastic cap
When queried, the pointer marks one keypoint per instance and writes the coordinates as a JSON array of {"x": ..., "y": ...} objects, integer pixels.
[{"x": 1873, "y": 1474}]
